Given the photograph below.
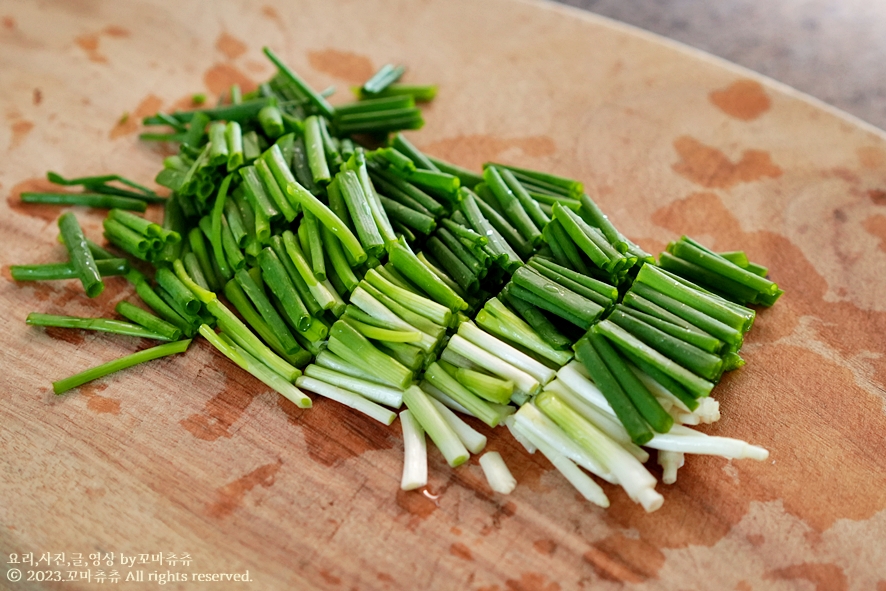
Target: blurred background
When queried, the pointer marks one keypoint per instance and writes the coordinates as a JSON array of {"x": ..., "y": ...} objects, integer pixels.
[{"x": 834, "y": 50}]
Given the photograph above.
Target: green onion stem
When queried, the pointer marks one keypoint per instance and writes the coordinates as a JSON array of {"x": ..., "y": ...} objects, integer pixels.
[
  {"x": 493, "y": 364},
  {"x": 241, "y": 303},
  {"x": 645, "y": 403},
  {"x": 150, "y": 322},
  {"x": 383, "y": 78},
  {"x": 215, "y": 236},
  {"x": 97, "y": 324},
  {"x": 258, "y": 197},
  {"x": 271, "y": 120},
  {"x": 318, "y": 291},
  {"x": 415, "y": 452},
  {"x": 53, "y": 271},
  {"x": 478, "y": 407},
  {"x": 338, "y": 260},
  {"x": 267, "y": 310},
  {"x": 689, "y": 334},
  {"x": 277, "y": 279},
  {"x": 412, "y": 268},
  {"x": 317, "y": 100},
  {"x": 348, "y": 398},
  {"x": 625, "y": 341},
  {"x": 62, "y": 386},
  {"x": 578, "y": 231},
  {"x": 497, "y": 319},
  {"x": 443, "y": 436},
  {"x": 537, "y": 320},
  {"x": 386, "y": 395},
  {"x": 405, "y": 192},
  {"x": 350, "y": 345},
  {"x": 318, "y": 261},
  {"x": 242, "y": 357},
  {"x": 550, "y": 292},
  {"x": 647, "y": 299},
  {"x": 272, "y": 188},
  {"x": 485, "y": 386},
  {"x": 316, "y": 154},
  {"x": 81, "y": 257},
  {"x": 659, "y": 281},
  {"x": 168, "y": 281},
  {"x": 96, "y": 200}
]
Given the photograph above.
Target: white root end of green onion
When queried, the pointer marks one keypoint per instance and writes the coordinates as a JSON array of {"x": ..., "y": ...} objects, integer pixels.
[
  {"x": 355, "y": 401},
  {"x": 415, "y": 453},
  {"x": 708, "y": 410},
  {"x": 670, "y": 461},
  {"x": 472, "y": 440},
  {"x": 497, "y": 474}
]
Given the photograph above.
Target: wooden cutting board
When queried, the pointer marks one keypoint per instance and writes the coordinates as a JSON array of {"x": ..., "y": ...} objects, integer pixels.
[{"x": 190, "y": 455}]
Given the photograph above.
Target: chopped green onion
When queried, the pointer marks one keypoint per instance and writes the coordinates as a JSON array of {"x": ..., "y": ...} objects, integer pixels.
[
  {"x": 81, "y": 257},
  {"x": 350, "y": 345},
  {"x": 645, "y": 403},
  {"x": 277, "y": 279},
  {"x": 408, "y": 264},
  {"x": 506, "y": 352},
  {"x": 148, "y": 321},
  {"x": 244, "y": 358},
  {"x": 97, "y": 324},
  {"x": 696, "y": 385},
  {"x": 485, "y": 386},
  {"x": 386, "y": 75},
  {"x": 88, "y": 199},
  {"x": 589, "y": 354},
  {"x": 631, "y": 475},
  {"x": 271, "y": 120},
  {"x": 376, "y": 392},
  {"x": 539, "y": 427},
  {"x": 313, "y": 138},
  {"x": 317, "y": 100},
  {"x": 62, "y": 386},
  {"x": 53, "y": 271},
  {"x": 419, "y": 92},
  {"x": 443, "y": 436},
  {"x": 493, "y": 364},
  {"x": 497, "y": 319},
  {"x": 348, "y": 398},
  {"x": 318, "y": 263},
  {"x": 497, "y": 474},
  {"x": 699, "y": 361},
  {"x": 415, "y": 453}
]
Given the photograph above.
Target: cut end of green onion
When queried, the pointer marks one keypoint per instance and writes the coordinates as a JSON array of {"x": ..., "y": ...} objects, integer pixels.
[{"x": 497, "y": 473}]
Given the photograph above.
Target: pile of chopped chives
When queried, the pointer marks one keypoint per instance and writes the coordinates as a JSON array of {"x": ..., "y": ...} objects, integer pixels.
[{"x": 319, "y": 249}]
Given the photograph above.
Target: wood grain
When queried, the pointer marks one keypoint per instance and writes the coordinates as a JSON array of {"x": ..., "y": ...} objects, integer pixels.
[{"x": 188, "y": 454}]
